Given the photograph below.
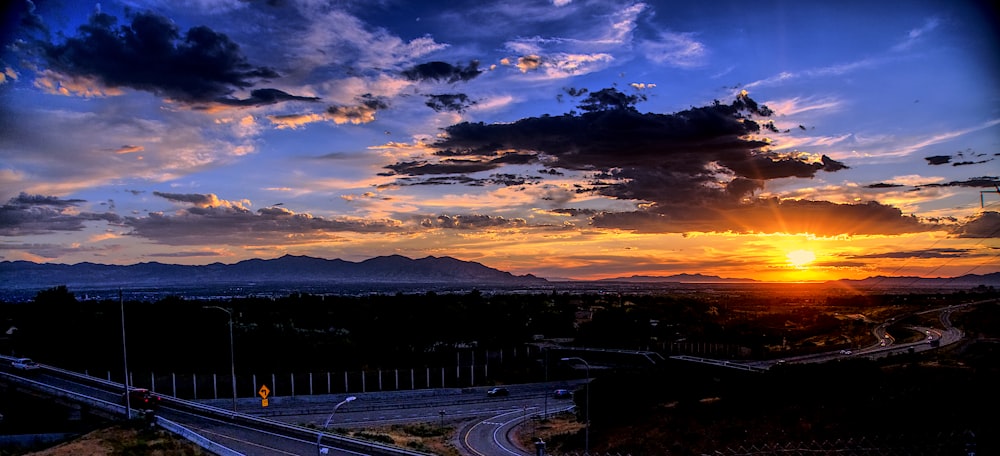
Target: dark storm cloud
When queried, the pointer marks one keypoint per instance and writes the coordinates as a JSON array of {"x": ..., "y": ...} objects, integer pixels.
[
  {"x": 506, "y": 180},
  {"x": 193, "y": 198},
  {"x": 261, "y": 97},
  {"x": 651, "y": 156},
  {"x": 974, "y": 182},
  {"x": 416, "y": 168},
  {"x": 884, "y": 185},
  {"x": 212, "y": 221},
  {"x": 372, "y": 102},
  {"x": 17, "y": 14},
  {"x": 453, "y": 102},
  {"x": 37, "y": 214},
  {"x": 152, "y": 54},
  {"x": 929, "y": 253},
  {"x": 938, "y": 159},
  {"x": 457, "y": 166},
  {"x": 462, "y": 222},
  {"x": 441, "y": 71},
  {"x": 770, "y": 216},
  {"x": 962, "y": 158},
  {"x": 985, "y": 226}
]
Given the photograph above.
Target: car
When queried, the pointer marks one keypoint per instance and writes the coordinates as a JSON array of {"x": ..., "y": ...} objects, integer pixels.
[
  {"x": 141, "y": 399},
  {"x": 24, "y": 364},
  {"x": 497, "y": 391},
  {"x": 845, "y": 352},
  {"x": 562, "y": 393}
]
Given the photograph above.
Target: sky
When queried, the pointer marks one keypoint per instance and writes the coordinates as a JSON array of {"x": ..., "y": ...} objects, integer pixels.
[{"x": 774, "y": 140}]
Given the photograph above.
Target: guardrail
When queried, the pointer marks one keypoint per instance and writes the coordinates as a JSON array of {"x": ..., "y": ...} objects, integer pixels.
[
  {"x": 196, "y": 438},
  {"x": 344, "y": 442},
  {"x": 721, "y": 363},
  {"x": 110, "y": 407}
]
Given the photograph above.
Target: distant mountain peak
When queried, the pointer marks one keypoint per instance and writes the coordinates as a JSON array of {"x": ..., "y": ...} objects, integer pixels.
[
  {"x": 290, "y": 270},
  {"x": 678, "y": 278}
]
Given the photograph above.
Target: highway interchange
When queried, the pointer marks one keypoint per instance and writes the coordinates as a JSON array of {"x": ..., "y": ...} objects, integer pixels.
[{"x": 290, "y": 425}]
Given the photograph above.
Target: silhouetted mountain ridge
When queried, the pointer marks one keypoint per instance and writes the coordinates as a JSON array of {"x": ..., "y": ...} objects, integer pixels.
[
  {"x": 678, "y": 278},
  {"x": 289, "y": 269}
]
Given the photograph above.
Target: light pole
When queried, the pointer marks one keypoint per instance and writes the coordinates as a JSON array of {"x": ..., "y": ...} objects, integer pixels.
[
  {"x": 586, "y": 412},
  {"x": 128, "y": 398},
  {"x": 319, "y": 450},
  {"x": 232, "y": 359}
]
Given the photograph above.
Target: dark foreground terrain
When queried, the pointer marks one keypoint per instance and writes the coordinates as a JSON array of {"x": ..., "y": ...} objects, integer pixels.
[{"x": 943, "y": 401}]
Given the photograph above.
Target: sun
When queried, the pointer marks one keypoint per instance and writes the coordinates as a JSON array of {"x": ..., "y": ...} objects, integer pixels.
[{"x": 801, "y": 258}]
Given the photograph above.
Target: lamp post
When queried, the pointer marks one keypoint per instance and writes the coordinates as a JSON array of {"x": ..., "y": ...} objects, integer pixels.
[
  {"x": 319, "y": 450},
  {"x": 128, "y": 398},
  {"x": 586, "y": 412},
  {"x": 232, "y": 359}
]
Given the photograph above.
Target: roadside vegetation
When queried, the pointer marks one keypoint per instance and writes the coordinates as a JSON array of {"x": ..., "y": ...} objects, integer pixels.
[{"x": 122, "y": 440}]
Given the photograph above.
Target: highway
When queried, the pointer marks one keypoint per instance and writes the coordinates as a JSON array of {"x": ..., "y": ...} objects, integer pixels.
[
  {"x": 289, "y": 425},
  {"x": 219, "y": 430},
  {"x": 483, "y": 422},
  {"x": 884, "y": 345}
]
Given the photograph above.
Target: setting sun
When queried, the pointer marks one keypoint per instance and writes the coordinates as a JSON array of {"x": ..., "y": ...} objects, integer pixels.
[{"x": 801, "y": 258}]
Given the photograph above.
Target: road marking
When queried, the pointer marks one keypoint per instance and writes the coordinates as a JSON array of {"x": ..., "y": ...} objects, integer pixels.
[{"x": 247, "y": 442}]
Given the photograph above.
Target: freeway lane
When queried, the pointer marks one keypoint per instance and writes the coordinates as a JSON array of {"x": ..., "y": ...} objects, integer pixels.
[
  {"x": 492, "y": 436},
  {"x": 483, "y": 422},
  {"x": 250, "y": 440},
  {"x": 243, "y": 433}
]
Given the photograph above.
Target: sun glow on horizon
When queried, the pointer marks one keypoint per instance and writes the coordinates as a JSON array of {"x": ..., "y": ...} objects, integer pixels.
[{"x": 800, "y": 258}]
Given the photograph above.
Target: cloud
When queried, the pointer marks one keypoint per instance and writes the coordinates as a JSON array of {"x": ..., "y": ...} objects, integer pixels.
[
  {"x": 362, "y": 112},
  {"x": 453, "y": 102},
  {"x": 151, "y": 54},
  {"x": 974, "y": 182},
  {"x": 983, "y": 226},
  {"x": 915, "y": 35},
  {"x": 211, "y": 221},
  {"x": 470, "y": 222},
  {"x": 528, "y": 63},
  {"x": 652, "y": 157},
  {"x": 820, "y": 218},
  {"x": 675, "y": 49},
  {"x": 963, "y": 158},
  {"x": 261, "y": 97},
  {"x": 928, "y": 253},
  {"x": 129, "y": 149},
  {"x": 441, "y": 71},
  {"x": 352, "y": 43},
  {"x": 38, "y": 214}
]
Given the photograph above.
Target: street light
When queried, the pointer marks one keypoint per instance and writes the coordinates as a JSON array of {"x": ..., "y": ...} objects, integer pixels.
[
  {"x": 128, "y": 398},
  {"x": 586, "y": 416},
  {"x": 319, "y": 450},
  {"x": 232, "y": 359}
]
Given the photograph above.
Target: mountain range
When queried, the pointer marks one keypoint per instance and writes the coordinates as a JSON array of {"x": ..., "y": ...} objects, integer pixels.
[
  {"x": 287, "y": 270},
  {"x": 292, "y": 271}
]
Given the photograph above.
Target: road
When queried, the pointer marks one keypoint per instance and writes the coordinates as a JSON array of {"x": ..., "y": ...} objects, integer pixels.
[
  {"x": 483, "y": 422},
  {"x": 238, "y": 432}
]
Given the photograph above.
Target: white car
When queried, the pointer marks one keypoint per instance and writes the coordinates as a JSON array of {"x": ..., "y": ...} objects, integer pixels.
[{"x": 24, "y": 364}]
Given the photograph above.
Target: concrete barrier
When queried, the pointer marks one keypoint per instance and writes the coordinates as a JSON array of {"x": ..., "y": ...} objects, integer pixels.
[{"x": 197, "y": 439}]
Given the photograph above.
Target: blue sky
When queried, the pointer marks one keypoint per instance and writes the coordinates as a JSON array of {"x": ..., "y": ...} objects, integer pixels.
[{"x": 583, "y": 139}]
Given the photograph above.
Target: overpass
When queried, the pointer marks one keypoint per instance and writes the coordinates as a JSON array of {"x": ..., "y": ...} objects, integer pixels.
[{"x": 243, "y": 433}]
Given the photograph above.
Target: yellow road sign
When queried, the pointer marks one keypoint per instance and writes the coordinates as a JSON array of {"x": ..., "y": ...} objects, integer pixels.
[
  {"x": 264, "y": 392},
  {"x": 263, "y": 402}
]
